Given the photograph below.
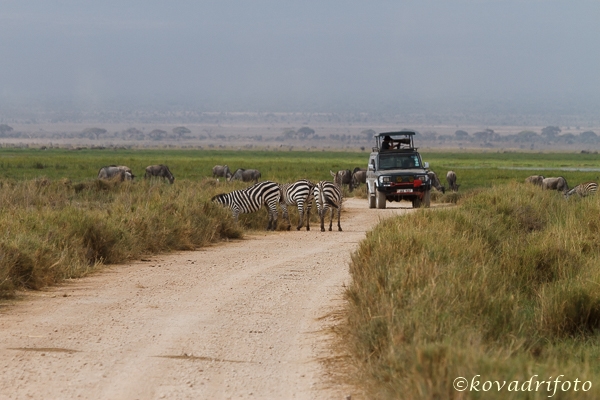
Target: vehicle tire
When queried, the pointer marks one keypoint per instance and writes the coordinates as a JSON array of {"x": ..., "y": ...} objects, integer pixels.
[
  {"x": 371, "y": 200},
  {"x": 380, "y": 199},
  {"x": 427, "y": 199},
  {"x": 416, "y": 202}
]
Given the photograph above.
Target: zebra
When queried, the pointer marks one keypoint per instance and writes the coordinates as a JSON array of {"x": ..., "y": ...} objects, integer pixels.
[
  {"x": 583, "y": 189},
  {"x": 298, "y": 193},
  {"x": 328, "y": 195},
  {"x": 251, "y": 199}
]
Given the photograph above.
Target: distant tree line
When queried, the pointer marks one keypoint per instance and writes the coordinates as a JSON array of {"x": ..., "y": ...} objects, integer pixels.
[
  {"x": 548, "y": 135},
  {"x": 304, "y": 133},
  {"x": 486, "y": 137}
]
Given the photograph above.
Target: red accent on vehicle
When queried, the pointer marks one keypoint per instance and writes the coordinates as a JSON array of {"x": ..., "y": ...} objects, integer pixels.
[{"x": 417, "y": 182}]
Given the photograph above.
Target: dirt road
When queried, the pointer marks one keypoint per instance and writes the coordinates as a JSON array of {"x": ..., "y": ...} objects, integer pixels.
[{"x": 241, "y": 319}]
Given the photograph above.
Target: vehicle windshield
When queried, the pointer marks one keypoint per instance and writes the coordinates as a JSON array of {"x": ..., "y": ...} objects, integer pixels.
[{"x": 398, "y": 161}]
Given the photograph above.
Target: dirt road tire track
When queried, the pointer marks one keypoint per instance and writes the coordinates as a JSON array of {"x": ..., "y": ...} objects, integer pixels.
[{"x": 235, "y": 320}]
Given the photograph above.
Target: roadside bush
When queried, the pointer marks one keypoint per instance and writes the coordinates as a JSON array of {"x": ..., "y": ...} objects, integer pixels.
[
  {"x": 54, "y": 230},
  {"x": 504, "y": 286}
]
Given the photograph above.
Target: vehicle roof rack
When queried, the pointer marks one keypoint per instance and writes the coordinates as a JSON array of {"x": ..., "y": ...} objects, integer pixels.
[
  {"x": 401, "y": 140},
  {"x": 396, "y": 133}
]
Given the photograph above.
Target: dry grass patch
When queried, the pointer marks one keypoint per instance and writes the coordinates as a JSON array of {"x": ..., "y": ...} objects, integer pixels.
[{"x": 505, "y": 286}]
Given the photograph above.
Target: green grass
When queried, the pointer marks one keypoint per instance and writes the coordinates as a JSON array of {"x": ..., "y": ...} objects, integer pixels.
[
  {"x": 59, "y": 221},
  {"x": 19, "y": 164},
  {"x": 485, "y": 169},
  {"x": 474, "y": 169},
  {"x": 505, "y": 286}
]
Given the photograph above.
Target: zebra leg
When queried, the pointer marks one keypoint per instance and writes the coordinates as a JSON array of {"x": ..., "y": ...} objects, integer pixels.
[
  {"x": 272, "y": 222},
  {"x": 285, "y": 215},
  {"x": 339, "y": 210},
  {"x": 308, "y": 217},
  {"x": 269, "y": 216},
  {"x": 331, "y": 219},
  {"x": 274, "y": 214},
  {"x": 322, "y": 216},
  {"x": 300, "y": 215}
]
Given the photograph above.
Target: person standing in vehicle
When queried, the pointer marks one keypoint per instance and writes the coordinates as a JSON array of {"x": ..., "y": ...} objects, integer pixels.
[{"x": 387, "y": 143}]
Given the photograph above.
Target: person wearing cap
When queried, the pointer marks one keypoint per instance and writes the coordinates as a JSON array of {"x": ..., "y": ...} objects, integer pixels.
[{"x": 386, "y": 144}]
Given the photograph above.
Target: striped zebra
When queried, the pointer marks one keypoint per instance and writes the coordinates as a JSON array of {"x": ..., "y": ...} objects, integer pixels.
[
  {"x": 583, "y": 189},
  {"x": 251, "y": 199},
  {"x": 328, "y": 196},
  {"x": 299, "y": 194}
]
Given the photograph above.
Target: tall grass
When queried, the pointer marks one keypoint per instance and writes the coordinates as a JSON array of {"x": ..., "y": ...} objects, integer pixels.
[
  {"x": 52, "y": 230},
  {"x": 506, "y": 286},
  {"x": 59, "y": 222}
]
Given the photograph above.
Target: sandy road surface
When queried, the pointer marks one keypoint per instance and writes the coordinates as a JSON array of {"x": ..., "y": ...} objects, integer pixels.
[{"x": 235, "y": 320}]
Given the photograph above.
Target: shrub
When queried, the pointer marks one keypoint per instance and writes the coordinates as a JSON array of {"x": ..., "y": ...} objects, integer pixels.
[
  {"x": 57, "y": 230},
  {"x": 501, "y": 285}
]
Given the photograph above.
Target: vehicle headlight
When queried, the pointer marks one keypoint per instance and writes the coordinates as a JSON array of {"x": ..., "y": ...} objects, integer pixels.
[
  {"x": 422, "y": 178},
  {"x": 384, "y": 179}
]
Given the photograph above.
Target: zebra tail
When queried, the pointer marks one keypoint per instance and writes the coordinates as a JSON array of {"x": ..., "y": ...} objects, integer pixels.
[
  {"x": 321, "y": 199},
  {"x": 332, "y": 203}
]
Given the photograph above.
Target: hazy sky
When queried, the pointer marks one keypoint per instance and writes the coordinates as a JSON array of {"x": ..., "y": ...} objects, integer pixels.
[{"x": 318, "y": 54}]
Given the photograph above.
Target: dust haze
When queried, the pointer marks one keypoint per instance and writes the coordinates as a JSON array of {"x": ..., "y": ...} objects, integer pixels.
[{"x": 337, "y": 67}]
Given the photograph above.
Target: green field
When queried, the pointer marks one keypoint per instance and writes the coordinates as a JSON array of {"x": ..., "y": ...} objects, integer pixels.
[
  {"x": 481, "y": 169},
  {"x": 506, "y": 285},
  {"x": 19, "y": 164}
]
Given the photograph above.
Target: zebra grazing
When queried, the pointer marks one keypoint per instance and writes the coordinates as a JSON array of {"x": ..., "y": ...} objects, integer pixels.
[
  {"x": 300, "y": 194},
  {"x": 251, "y": 199},
  {"x": 328, "y": 195},
  {"x": 583, "y": 189}
]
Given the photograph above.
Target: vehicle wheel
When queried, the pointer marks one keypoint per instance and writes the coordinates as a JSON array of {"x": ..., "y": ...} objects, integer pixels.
[
  {"x": 380, "y": 200},
  {"x": 371, "y": 200},
  {"x": 416, "y": 202},
  {"x": 427, "y": 199}
]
